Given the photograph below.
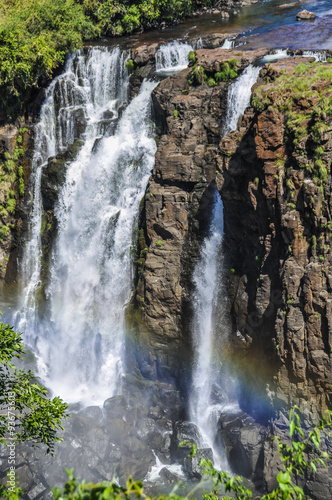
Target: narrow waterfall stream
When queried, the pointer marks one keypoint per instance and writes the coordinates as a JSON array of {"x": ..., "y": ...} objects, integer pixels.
[
  {"x": 213, "y": 390},
  {"x": 239, "y": 97},
  {"x": 79, "y": 338}
]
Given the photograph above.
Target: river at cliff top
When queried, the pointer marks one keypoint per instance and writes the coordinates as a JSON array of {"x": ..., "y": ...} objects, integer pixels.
[{"x": 270, "y": 24}]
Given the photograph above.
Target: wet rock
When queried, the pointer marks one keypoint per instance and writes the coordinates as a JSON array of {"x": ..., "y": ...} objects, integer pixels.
[
  {"x": 305, "y": 15},
  {"x": 80, "y": 122},
  {"x": 214, "y": 40},
  {"x": 115, "y": 407},
  {"x": 244, "y": 443},
  {"x": 36, "y": 491},
  {"x": 191, "y": 464},
  {"x": 8, "y": 134},
  {"x": 184, "y": 431},
  {"x": 145, "y": 54},
  {"x": 168, "y": 477},
  {"x": 54, "y": 174},
  {"x": 211, "y": 60}
]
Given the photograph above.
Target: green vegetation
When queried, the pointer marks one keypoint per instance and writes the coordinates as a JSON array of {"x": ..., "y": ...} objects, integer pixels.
[
  {"x": 26, "y": 412},
  {"x": 159, "y": 243},
  {"x": 228, "y": 71},
  {"x": 11, "y": 178},
  {"x": 192, "y": 56},
  {"x": 175, "y": 113},
  {"x": 35, "y": 36},
  {"x": 304, "y": 95},
  {"x": 130, "y": 65}
]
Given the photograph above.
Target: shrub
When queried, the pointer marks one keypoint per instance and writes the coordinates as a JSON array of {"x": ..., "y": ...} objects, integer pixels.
[
  {"x": 130, "y": 65},
  {"x": 192, "y": 56}
]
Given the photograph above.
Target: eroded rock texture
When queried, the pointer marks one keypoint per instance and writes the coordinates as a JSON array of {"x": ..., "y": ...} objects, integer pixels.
[
  {"x": 175, "y": 213},
  {"x": 15, "y": 167},
  {"x": 276, "y": 185}
]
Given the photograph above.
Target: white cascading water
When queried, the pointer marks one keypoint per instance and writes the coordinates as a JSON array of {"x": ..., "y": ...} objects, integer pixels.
[
  {"x": 79, "y": 341},
  {"x": 277, "y": 54},
  {"x": 319, "y": 55},
  {"x": 172, "y": 58},
  {"x": 229, "y": 43},
  {"x": 212, "y": 391},
  {"x": 77, "y": 90},
  {"x": 239, "y": 97},
  {"x": 207, "y": 278}
]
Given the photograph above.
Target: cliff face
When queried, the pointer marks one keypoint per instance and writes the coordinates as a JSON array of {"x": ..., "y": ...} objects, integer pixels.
[
  {"x": 275, "y": 180},
  {"x": 273, "y": 174},
  {"x": 176, "y": 210},
  {"x": 15, "y": 168}
]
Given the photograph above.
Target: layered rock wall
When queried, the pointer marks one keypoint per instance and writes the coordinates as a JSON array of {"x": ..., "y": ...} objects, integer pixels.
[
  {"x": 16, "y": 143},
  {"x": 176, "y": 211},
  {"x": 275, "y": 181}
]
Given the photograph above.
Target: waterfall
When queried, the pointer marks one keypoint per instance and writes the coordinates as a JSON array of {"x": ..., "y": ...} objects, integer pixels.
[
  {"x": 319, "y": 55},
  {"x": 79, "y": 340},
  {"x": 84, "y": 92},
  {"x": 276, "y": 55},
  {"x": 212, "y": 388},
  {"x": 229, "y": 43},
  {"x": 239, "y": 97},
  {"x": 206, "y": 281},
  {"x": 172, "y": 57}
]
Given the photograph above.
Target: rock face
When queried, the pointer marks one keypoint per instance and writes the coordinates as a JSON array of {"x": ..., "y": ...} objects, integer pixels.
[
  {"x": 175, "y": 213},
  {"x": 273, "y": 174},
  {"x": 15, "y": 167},
  {"x": 275, "y": 183}
]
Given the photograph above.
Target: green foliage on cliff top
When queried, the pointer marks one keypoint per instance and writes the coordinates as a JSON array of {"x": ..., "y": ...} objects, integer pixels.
[
  {"x": 304, "y": 95},
  {"x": 35, "y": 36}
]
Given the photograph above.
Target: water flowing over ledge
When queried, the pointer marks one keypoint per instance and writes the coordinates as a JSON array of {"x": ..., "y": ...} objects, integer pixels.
[
  {"x": 212, "y": 390},
  {"x": 79, "y": 340}
]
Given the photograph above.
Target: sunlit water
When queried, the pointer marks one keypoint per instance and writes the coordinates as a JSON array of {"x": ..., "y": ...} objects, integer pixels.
[{"x": 211, "y": 388}]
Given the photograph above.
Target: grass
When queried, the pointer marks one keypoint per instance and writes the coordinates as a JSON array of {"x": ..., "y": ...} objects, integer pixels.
[{"x": 304, "y": 95}]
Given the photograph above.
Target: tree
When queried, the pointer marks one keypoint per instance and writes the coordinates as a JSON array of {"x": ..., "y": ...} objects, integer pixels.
[{"x": 26, "y": 413}]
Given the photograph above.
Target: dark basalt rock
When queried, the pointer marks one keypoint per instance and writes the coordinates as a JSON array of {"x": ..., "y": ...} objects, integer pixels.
[
  {"x": 168, "y": 477},
  {"x": 191, "y": 464},
  {"x": 244, "y": 443},
  {"x": 184, "y": 431},
  {"x": 54, "y": 174}
]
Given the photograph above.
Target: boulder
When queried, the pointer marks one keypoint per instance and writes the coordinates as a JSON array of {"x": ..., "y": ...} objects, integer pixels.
[
  {"x": 145, "y": 54},
  {"x": 244, "y": 442},
  {"x": 184, "y": 431},
  {"x": 168, "y": 477},
  {"x": 305, "y": 15},
  {"x": 191, "y": 464}
]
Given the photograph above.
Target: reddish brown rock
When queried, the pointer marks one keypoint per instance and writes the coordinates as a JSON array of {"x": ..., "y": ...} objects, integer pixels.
[{"x": 211, "y": 60}]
